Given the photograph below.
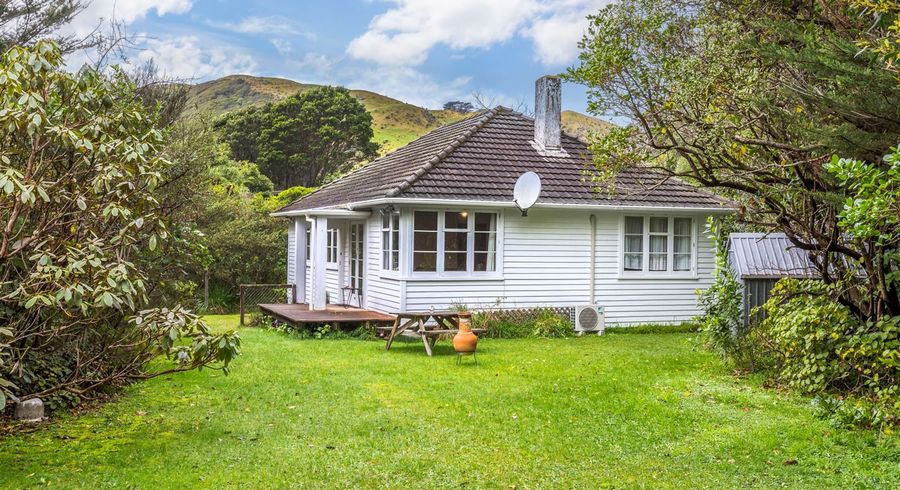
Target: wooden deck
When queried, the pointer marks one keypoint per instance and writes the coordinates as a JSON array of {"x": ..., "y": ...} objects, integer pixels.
[{"x": 299, "y": 314}]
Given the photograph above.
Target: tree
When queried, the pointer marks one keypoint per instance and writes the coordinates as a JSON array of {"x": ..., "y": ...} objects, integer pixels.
[
  {"x": 79, "y": 166},
  {"x": 754, "y": 98},
  {"x": 304, "y": 138},
  {"x": 24, "y": 22},
  {"x": 246, "y": 244},
  {"x": 459, "y": 106},
  {"x": 240, "y": 132},
  {"x": 883, "y": 37}
]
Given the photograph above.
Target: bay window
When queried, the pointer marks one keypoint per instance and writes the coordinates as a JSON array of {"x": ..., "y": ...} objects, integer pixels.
[
  {"x": 485, "y": 253},
  {"x": 425, "y": 241},
  {"x": 657, "y": 244},
  {"x": 390, "y": 240},
  {"x": 454, "y": 242}
]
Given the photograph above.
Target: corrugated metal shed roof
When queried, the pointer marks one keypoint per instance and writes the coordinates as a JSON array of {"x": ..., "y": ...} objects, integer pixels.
[{"x": 765, "y": 256}]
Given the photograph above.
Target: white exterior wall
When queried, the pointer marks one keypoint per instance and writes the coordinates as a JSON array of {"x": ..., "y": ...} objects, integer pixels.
[
  {"x": 291, "y": 256},
  {"x": 382, "y": 292},
  {"x": 546, "y": 262},
  {"x": 656, "y": 300},
  {"x": 308, "y": 282}
]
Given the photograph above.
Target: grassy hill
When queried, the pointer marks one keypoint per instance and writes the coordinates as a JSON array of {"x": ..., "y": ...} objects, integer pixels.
[
  {"x": 395, "y": 123},
  {"x": 580, "y": 126}
]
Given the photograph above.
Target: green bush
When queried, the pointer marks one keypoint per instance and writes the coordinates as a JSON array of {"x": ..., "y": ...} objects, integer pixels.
[
  {"x": 722, "y": 302},
  {"x": 321, "y": 331},
  {"x": 510, "y": 324},
  {"x": 819, "y": 347}
]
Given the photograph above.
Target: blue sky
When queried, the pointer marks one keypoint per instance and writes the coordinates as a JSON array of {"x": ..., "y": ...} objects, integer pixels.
[{"x": 424, "y": 52}]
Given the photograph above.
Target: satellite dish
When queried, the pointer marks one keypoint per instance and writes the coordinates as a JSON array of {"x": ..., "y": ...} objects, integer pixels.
[{"x": 526, "y": 191}]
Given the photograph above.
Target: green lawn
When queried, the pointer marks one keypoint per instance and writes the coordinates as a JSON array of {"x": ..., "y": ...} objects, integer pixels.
[{"x": 617, "y": 411}]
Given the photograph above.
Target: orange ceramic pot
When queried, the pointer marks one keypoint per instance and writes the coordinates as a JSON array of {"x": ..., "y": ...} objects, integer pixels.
[{"x": 465, "y": 341}]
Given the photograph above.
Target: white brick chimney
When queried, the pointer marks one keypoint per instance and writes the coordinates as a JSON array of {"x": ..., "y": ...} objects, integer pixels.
[{"x": 547, "y": 114}]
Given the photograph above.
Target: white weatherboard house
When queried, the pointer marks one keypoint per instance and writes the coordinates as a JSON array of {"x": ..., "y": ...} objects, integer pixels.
[{"x": 433, "y": 224}]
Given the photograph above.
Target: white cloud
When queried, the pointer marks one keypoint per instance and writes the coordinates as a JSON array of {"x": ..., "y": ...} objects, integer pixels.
[
  {"x": 100, "y": 12},
  {"x": 186, "y": 57},
  {"x": 318, "y": 63},
  {"x": 271, "y": 25},
  {"x": 556, "y": 36},
  {"x": 406, "y": 34},
  {"x": 283, "y": 46},
  {"x": 410, "y": 85}
]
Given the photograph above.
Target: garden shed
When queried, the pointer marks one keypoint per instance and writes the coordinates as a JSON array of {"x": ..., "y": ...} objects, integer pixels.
[{"x": 759, "y": 260}]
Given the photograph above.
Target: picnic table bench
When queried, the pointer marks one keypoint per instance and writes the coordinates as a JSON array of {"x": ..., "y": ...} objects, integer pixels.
[{"x": 444, "y": 323}]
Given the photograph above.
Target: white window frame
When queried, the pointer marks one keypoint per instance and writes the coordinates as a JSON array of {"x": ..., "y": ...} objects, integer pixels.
[
  {"x": 309, "y": 227},
  {"x": 669, "y": 273},
  {"x": 469, "y": 274},
  {"x": 334, "y": 233},
  {"x": 391, "y": 269}
]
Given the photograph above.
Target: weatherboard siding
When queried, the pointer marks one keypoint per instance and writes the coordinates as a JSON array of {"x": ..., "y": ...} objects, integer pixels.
[
  {"x": 291, "y": 257},
  {"x": 635, "y": 301},
  {"x": 381, "y": 293},
  {"x": 546, "y": 262}
]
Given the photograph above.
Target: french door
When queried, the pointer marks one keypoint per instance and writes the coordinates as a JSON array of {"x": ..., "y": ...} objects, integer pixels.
[{"x": 357, "y": 258}]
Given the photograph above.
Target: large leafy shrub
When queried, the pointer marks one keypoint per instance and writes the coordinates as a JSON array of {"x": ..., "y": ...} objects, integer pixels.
[
  {"x": 820, "y": 347},
  {"x": 79, "y": 164}
]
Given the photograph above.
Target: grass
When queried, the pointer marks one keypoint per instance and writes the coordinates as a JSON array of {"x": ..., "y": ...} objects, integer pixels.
[{"x": 617, "y": 411}]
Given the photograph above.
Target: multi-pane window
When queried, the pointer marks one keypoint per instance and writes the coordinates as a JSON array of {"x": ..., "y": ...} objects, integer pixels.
[
  {"x": 634, "y": 243},
  {"x": 657, "y": 244},
  {"x": 331, "y": 248},
  {"x": 682, "y": 252},
  {"x": 454, "y": 242},
  {"x": 456, "y": 238},
  {"x": 308, "y": 240},
  {"x": 485, "y": 242},
  {"x": 390, "y": 241},
  {"x": 425, "y": 241}
]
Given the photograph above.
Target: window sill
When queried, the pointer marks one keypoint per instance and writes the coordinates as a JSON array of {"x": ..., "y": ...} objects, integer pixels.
[
  {"x": 460, "y": 277},
  {"x": 623, "y": 275}
]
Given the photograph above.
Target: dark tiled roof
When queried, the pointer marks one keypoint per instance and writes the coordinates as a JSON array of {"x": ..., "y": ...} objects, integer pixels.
[{"x": 481, "y": 157}]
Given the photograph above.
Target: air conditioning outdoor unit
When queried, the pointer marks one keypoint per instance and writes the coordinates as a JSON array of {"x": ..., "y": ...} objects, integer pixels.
[{"x": 590, "y": 318}]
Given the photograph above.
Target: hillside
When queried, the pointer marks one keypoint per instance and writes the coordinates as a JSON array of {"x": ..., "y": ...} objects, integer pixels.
[
  {"x": 394, "y": 123},
  {"x": 580, "y": 126}
]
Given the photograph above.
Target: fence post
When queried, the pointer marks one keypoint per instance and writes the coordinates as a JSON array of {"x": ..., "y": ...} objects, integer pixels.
[{"x": 242, "y": 304}]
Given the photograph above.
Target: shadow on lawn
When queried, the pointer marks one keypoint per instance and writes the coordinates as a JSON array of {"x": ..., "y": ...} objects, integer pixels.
[{"x": 414, "y": 347}]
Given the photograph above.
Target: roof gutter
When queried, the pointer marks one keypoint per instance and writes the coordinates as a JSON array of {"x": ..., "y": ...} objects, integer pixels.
[
  {"x": 327, "y": 212},
  {"x": 548, "y": 205}
]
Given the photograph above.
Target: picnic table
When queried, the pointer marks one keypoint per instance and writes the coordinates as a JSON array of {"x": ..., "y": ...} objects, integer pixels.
[{"x": 428, "y": 324}]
